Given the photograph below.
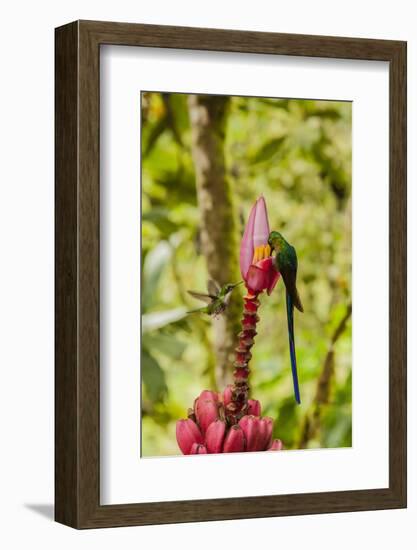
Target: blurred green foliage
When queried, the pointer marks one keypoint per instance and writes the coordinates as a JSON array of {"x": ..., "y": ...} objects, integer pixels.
[{"x": 297, "y": 153}]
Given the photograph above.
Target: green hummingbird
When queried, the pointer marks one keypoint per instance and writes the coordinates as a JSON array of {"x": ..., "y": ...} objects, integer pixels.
[
  {"x": 285, "y": 261},
  {"x": 217, "y": 298}
]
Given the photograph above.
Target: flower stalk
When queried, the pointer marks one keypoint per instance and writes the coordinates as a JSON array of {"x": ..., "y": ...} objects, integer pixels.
[
  {"x": 238, "y": 405},
  {"x": 230, "y": 422},
  {"x": 259, "y": 274}
]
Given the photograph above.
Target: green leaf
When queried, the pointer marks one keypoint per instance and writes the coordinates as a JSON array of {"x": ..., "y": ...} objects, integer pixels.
[
  {"x": 159, "y": 319},
  {"x": 286, "y": 425},
  {"x": 178, "y": 186},
  {"x": 178, "y": 105},
  {"x": 155, "y": 132},
  {"x": 164, "y": 343},
  {"x": 268, "y": 150},
  {"x": 154, "y": 264},
  {"x": 153, "y": 377},
  {"x": 337, "y": 424},
  {"x": 160, "y": 218}
]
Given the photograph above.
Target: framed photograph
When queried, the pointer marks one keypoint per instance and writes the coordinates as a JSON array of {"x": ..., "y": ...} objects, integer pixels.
[{"x": 230, "y": 274}]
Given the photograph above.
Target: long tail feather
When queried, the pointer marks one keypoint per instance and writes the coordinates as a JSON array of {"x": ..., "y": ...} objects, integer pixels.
[{"x": 290, "y": 319}]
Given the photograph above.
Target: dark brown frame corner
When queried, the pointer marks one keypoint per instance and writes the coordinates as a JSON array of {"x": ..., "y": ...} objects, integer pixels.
[{"x": 77, "y": 274}]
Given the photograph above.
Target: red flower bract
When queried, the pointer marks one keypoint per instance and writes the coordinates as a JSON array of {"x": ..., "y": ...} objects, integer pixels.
[{"x": 262, "y": 276}]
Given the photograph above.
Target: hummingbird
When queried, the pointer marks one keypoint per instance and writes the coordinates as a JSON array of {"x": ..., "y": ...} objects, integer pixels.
[
  {"x": 217, "y": 298},
  {"x": 285, "y": 261}
]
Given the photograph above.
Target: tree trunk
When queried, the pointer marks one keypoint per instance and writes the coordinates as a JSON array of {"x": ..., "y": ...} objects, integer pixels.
[{"x": 208, "y": 115}]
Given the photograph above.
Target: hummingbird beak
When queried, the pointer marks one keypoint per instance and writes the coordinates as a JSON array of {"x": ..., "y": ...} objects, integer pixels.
[{"x": 237, "y": 284}]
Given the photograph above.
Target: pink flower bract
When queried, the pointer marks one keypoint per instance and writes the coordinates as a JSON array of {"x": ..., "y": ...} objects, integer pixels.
[{"x": 260, "y": 275}]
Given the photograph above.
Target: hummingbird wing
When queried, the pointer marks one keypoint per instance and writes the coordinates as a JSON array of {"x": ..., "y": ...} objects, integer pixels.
[
  {"x": 289, "y": 277},
  {"x": 199, "y": 310},
  {"x": 287, "y": 264},
  {"x": 200, "y": 296},
  {"x": 212, "y": 287}
]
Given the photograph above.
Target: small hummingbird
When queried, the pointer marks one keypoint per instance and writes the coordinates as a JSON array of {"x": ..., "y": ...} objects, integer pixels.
[
  {"x": 217, "y": 298},
  {"x": 286, "y": 263}
]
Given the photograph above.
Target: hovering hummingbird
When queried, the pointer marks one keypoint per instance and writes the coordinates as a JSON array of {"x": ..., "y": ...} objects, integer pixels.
[
  {"x": 217, "y": 298},
  {"x": 286, "y": 263}
]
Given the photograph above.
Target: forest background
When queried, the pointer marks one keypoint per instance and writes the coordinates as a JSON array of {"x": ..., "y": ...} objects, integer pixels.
[{"x": 205, "y": 160}]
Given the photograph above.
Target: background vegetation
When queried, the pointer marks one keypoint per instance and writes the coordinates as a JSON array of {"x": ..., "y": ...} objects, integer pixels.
[{"x": 297, "y": 153}]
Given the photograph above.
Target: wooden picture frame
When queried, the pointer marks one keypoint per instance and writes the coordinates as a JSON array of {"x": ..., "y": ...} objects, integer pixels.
[{"x": 77, "y": 372}]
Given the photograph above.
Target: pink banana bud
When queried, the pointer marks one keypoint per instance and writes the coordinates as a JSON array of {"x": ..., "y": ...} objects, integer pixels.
[
  {"x": 209, "y": 395},
  {"x": 266, "y": 425},
  {"x": 198, "y": 449},
  {"x": 215, "y": 436},
  {"x": 235, "y": 440},
  {"x": 206, "y": 410},
  {"x": 276, "y": 445},
  {"x": 251, "y": 429},
  {"x": 254, "y": 407},
  {"x": 187, "y": 433},
  {"x": 258, "y": 432},
  {"x": 227, "y": 394}
]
